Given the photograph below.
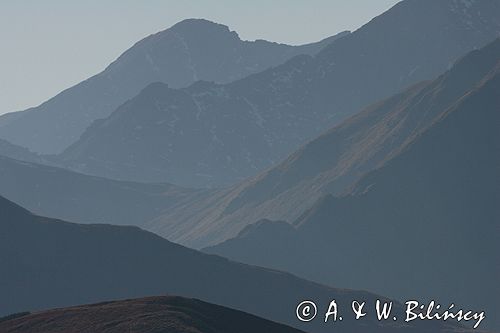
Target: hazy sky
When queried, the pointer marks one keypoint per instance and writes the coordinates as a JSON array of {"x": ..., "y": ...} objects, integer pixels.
[{"x": 47, "y": 46}]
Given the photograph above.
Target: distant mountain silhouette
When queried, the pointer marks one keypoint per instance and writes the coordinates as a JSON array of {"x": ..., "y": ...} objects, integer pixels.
[
  {"x": 145, "y": 315},
  {"x": 215, "y": 135},
  {"x": 48, "y": 263},
  {"x": 425, "y": 223},
  {"x": 68, "y": 195},
  {"x": 189, "y": 51}
]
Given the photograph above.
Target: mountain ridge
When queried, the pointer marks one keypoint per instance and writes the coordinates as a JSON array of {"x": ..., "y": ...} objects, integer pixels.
[
  {"x": 191, "y": 50},
  {"x": 440, "y": 188},
  {"x": 50, "y": 263},
  {"x": 218, "y": 135},
  {"x": 331, "y": 163}
]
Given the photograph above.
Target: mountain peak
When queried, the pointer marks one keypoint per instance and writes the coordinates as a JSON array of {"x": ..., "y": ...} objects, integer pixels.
[
  {"x": 198, "y": 22},
  {"x": 197, "y": 25}
]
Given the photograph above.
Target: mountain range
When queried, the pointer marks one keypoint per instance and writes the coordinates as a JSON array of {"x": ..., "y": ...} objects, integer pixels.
[
  {"x": 145, "y": 315},
  {"x": 212, "y": 135},
  {"x": 425, "y": 221},
  {"x": 366, "y": 161},
  {"x": 48, "y": 263},
  {"x": 191, "y": 50},
  {"x": 330, "y": 164}
]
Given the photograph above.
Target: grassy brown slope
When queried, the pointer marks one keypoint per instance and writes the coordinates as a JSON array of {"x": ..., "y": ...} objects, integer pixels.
[{"x": 145, "y": 315}]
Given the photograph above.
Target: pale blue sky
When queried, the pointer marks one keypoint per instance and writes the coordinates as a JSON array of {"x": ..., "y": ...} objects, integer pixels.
[{"x": 47, "y": 46}]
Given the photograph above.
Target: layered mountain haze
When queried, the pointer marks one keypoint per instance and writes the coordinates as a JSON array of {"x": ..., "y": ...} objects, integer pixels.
[
  {"x": 49, "y": 263},
  {"x": 145, "y": 315},
  {"x": 68, "y": 195},
  {"x": 202, "y": 183},
  {"x": 330, "y": 164},
  {"x": 216, "y": 135},
  {"x": 425, "y": 223},
  {"x": 191, "y": 50}
]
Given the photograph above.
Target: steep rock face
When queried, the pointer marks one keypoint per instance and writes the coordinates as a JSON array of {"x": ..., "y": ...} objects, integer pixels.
[
  {"x": 216, "y": 135},
  {"x": 48, "y": 263},
  {"x": 145, "y": 315},
  {"x": 425, "y": 223},
  {"x": 189, "y": 51}
]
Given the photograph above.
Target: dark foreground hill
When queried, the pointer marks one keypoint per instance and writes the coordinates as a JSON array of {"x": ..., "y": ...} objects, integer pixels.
[
  {"x": 46, "y": 263},
  {"x": 146, "y": 315}
]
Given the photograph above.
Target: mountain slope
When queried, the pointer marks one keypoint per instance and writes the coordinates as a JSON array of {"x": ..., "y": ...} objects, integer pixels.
[
  {"x": 331, "y": 163},
  {"x": 146, "y": 315},
  {"x": 425, "y": 223},
  {"x": 216, "y": 135},
  {"x": 48, "y": 263},
  {"x": 189, "y": 51},
  {"x": 67, "y": 195}
]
